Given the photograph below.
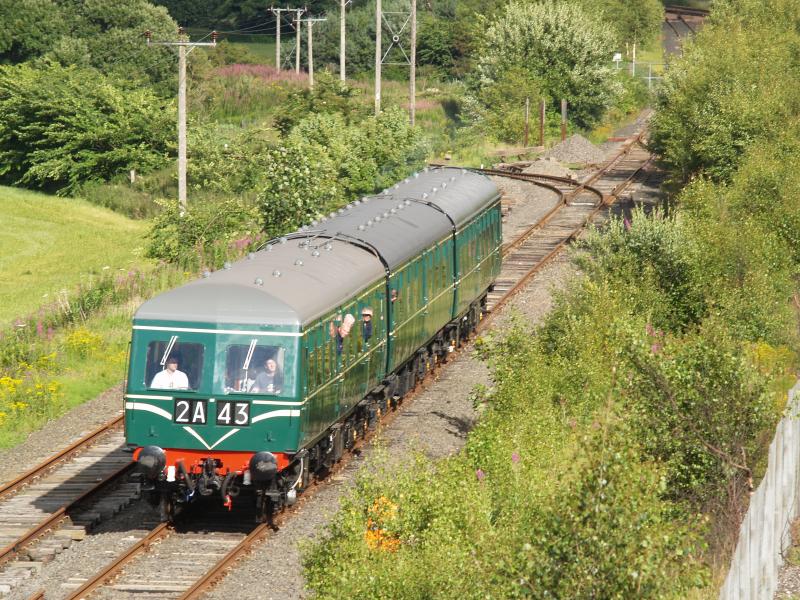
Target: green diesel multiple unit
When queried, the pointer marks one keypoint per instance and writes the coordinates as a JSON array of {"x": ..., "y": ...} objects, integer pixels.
[{"x": 259, "y": 375}]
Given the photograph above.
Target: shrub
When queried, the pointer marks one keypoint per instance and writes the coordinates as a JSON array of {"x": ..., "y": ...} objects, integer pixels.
[
  {"x": 206, "y": 235},
  {"x": 561, "y": 48},
  {"x": 61, "y": 127}
]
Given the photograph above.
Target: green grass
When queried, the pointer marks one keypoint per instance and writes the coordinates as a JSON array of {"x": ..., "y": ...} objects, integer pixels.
[
  {"x": 49, "y": 243},
  {"x": 263, "y": 51}
]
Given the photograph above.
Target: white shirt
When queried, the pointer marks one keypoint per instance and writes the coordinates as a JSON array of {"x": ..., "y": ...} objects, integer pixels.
[{"x": 167, "y": 379}]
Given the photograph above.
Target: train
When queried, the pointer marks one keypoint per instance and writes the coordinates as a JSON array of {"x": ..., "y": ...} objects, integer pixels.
[{"x": 257, "y": 377}]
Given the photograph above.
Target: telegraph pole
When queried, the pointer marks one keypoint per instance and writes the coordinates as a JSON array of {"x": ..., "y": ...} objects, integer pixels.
[
  {"x": 412, "y": 83},
  {"x": 311, "y": 21},
  {"x": 298, "y": 36},
  {"x": 342, "y": 45},
  {"x": 182, "y": 43},
  {"x": 277, "y": 13},
  {"x": 378, "y": 55}
]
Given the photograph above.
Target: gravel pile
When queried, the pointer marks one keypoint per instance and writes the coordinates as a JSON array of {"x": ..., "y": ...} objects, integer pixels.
[
  {"x": 576, "y": 149},
  {"x": 549, "y": 166}
]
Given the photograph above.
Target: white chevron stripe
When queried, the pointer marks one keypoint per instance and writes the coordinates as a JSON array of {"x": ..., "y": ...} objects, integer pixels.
[
  {"x": 148, "y": 408},
  {"x": 276, "y": 413}
]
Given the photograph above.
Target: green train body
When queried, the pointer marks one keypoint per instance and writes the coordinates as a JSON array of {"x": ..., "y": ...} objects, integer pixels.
[{"x": 350, "y": 311}]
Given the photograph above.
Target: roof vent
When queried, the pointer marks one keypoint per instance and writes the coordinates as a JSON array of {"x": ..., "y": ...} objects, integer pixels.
[
  {"x": 377, "y": 218},
  {"x": 452, "y": 178},
  {"x": 386, "y": 215},
  {"x": 298, "y": 263},
  {"x": 362, "y": 227},
  {"x": 315, "y": 253},
  {"x": 408, "y": 202},
  {"x": 251, "y": 256},
  {"x": 434, "y": 190},
  {"x": 393, "y": 210},
  {"x": 328, "y": 247},
  {"x": 227, "y": 266},
  {"x": 400, "y": 206},
  {"x": 259, "y": 281},
  {"x": 424, "y": 195},
  {"x": 276, "y": 273}
]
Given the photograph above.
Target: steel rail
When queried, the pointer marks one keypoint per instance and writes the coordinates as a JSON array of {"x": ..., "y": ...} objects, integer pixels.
[
  {"x": 54, "y": 520},
  {"x": 610, "y": 199},
  {"x": 39, "y": 470},
  {"x": 685, "y": 10},
  {"x": 160, "y": 531}
]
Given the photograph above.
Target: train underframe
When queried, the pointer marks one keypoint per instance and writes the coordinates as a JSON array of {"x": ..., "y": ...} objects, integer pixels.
[{"x": 274, "y": 480}]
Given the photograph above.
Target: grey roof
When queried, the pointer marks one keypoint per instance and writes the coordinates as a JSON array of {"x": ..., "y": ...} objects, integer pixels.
[
  {"x": 407, "y": 224},
  {"x": 299, "y": 295},
  {"x": 338, "y": 255}
]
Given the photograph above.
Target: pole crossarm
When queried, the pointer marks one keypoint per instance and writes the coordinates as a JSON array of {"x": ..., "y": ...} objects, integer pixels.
[{"x": 396, "y": 33}]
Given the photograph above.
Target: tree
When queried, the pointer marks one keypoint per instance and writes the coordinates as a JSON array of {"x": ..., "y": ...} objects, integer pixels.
[
  {"x": 634, "y": 21},
  {"x": 103, "y": 34},
  {"x": 62, "y": 126},
  {"x": 560, "y": 47}
]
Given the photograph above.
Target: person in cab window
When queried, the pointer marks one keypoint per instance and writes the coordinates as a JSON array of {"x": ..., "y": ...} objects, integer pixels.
[
  {"x": 366, "y": 323},
  {"x": 170, "y": 378},
  {"x": 270, "y": 380}
]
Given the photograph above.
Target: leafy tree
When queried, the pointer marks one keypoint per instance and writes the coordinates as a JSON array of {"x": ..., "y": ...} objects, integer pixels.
[
  {"x": 328, "y": 96},
  {"x": 734, "y": 85},
  {"x": 634, "y": 21},
  {"x": 62, "y": 126},
  {"x": 103, "y": 34},
  {"x": 560, "y": 47}
]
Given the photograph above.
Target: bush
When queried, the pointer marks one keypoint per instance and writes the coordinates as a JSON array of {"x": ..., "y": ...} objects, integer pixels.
[
  {"x": 561, "y": 48},
  {"x": 734, "y": 85},
  {"x": 207, "y": 235},
  {"x": 62, "y": 127}
]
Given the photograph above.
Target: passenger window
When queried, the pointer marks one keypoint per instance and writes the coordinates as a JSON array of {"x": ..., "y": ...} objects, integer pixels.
[{"x": 173, "y": 365}]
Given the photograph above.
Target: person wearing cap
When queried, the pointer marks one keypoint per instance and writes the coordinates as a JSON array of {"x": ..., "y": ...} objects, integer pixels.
[
  {"x": 170, "y": 378},
  {"x": 366, "y": 323}
]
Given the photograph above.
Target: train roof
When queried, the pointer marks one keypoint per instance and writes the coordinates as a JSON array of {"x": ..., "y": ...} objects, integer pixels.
[{"x": 300, "y": 277}]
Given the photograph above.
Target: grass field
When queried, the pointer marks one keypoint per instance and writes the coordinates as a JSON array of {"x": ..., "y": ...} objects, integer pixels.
[{"x": 49, "y": 243}]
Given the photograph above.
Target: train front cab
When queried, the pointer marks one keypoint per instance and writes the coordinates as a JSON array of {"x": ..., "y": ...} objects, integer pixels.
[{"x": 212, "y": 411}]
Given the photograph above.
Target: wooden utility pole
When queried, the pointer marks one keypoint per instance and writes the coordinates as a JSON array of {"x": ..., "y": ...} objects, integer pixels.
[
  {"x": 342, "y": 33},
  {"x": 563, "y": 120},
  {"x": 527, "y": 121},
  {"x": 298, "y": 36},
  {"x": 412, "y": 82},
  {"x": 541, "y": 121},
  {"x": 311, "y": 21},
  {"x": 378, "y": 56},
  {"x": 277, "y": 13},
  {"x": 182, "y": 43}
]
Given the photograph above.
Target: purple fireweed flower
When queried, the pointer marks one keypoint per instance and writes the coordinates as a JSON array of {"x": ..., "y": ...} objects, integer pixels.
[
  {"x": 39, "y": 329},
  {"x": 480, "y": 474},
  {"x": 627, "y": 224},
  {"x": 50, "y": 333},
  {"x": 514, "y": 457},
  {"x": 648, "y": 329},
  {"x": 655, "y": 348}
]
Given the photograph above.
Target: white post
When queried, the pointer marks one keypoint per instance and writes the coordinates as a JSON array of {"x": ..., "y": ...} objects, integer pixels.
[
  {"x": 182, "y": 126},
  {"x": 378, "y": 57},
  {"x": 342, "y": 44},
  {"x": 413, "y": 77}
]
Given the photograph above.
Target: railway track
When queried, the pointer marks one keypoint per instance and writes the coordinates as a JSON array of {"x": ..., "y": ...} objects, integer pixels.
[
  {"x": 39, "y": 514},
  {"x": 184, "y": 561}
]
